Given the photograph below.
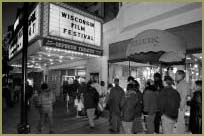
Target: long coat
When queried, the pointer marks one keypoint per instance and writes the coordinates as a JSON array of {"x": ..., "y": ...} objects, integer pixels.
[
  {"x": 115, "y": 98},
  {"x": 196, "y": 113}
]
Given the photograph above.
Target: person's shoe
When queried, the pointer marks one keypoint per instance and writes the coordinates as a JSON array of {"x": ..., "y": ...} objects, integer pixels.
[
  {"x": 92, "y": 127},
  {"x": 111, "y": 130},
  {"x": 51, "y": 132}
]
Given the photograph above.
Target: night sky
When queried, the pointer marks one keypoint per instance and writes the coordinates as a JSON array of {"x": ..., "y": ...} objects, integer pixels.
[{"x": 9, "y": 10}]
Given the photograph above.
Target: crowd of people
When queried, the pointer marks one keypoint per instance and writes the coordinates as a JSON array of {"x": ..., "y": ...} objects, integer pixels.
[{"x": 160, "y": 107}]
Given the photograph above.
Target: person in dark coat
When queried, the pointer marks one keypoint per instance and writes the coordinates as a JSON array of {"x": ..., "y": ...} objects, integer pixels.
[
  {"x": 137, "y": 123},
  {"x": 116, "y": 95},
  {"x": 29, "y": 94},
  {"x": 91, "y": 99},
  {"x": 82, "y": 88},
  {"x": 150, "y": 103},
  {"x": 129, "y": 103},
  {"x": 70, "y": 91},
  {"x": 159, "y": 86},
  {"x": 65, "y": 89},
  {"x": 195, "y": 124},
  {"x": 169, "y": 103}
]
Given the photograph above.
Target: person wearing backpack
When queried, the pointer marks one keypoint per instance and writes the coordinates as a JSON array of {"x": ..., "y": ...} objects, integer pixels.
[
  {"x": 169, "y": 102},
  {"x": 46, "y": 101}
]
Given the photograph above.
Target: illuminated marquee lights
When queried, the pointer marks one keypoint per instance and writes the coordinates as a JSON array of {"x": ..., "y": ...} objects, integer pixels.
[
  {"x": 60, "y": 46},
  {"x": 71, "y": 52}
]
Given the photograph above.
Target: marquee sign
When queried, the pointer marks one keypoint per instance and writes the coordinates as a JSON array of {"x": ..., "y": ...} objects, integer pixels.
[
  {"x": 72, "y": 47},
  {"x": 67, "y": 24},
  {"x": 33, "y": 31}
]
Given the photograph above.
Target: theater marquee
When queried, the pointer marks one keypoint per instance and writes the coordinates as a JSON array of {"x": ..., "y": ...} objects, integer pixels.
[
  {"x": 67, "y": 24},
  {"x": 72, "y": 47}
]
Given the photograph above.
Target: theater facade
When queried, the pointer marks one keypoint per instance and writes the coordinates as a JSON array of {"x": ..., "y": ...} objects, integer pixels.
[{"x": 64, "y": 43}]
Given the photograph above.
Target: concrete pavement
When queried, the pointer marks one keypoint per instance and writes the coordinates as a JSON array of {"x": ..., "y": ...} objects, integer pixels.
[{"x": 64, "y": 122}]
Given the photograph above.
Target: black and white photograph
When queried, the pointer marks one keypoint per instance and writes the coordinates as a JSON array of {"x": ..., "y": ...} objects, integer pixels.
[{"x": 102, "y": 67}]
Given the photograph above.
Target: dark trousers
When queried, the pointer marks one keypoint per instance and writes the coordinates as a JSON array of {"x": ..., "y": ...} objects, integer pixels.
[
  {"x": 157, "y": 122},
  {"x": 115, "y": 123}
]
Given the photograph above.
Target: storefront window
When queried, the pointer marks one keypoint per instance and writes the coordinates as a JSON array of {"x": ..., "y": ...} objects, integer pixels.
[
  {"x": 193, "y": 68},
  {"x": 141, "y": 73}
]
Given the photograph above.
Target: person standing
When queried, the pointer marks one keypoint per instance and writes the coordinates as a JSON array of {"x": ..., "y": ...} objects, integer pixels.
[
  {"x": 169, "y": 102},
  {"x": 116, "y": 95},
  {"x": 29, "y": 93},
  {"x": 97, "y": 86},
  {"x": 195, "y": 124},
  {"x": 70, "y": 91},
  {"x": 129, "y": 103},
  {"x": 65, "y": 89},
  {"x": 17, "y": 90},
  {"x": 106, "y": 104},
  {"x": 150, "y": 103},
  {"x": 183, "y": 88},
  {"x": 103, "y": 88},
  {"x": 46, "y": 101},
  {"x": 90, "y": 100},
  {"x": 137, "y": 123},
  {"x": 159, "y": 86}
]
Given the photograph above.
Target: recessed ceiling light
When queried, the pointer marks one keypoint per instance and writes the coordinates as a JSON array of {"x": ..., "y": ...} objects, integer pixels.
[
  {"x": 60, "y": 61},
  {"x": 51, "y": 59},
  {"x": 40, "y": 58},
  {"x": 48, "y": 55},
  {"x": 195, "y": 66},
  {"x": 51, "y": 63},
  {"x": 60, "y": 57}
]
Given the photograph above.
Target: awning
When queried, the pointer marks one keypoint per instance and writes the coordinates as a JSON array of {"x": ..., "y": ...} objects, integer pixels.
[{"x": 156, "y": 46}]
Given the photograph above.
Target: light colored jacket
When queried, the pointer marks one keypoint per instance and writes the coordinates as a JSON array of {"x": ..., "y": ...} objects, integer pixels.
[
  {"x": 46, "y": 100},
  {"x": 183, "y": 88}
]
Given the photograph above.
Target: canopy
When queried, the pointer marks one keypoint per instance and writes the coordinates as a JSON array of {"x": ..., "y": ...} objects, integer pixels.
[{"x": 156, "y": 45}]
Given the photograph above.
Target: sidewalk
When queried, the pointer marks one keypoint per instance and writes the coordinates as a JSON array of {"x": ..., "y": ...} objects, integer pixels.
[{"x": 64, "y": 122}]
